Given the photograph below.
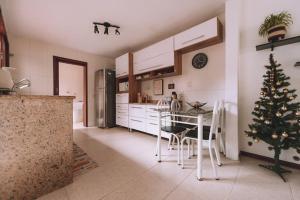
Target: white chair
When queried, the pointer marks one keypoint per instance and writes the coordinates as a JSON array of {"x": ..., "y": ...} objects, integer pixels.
[
  {"x": 221, "y": 138},
  {"x": 209, "y": 138}
]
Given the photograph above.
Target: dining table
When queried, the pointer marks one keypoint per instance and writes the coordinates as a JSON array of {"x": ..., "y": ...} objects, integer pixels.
[{"x": 198, "y": 117}]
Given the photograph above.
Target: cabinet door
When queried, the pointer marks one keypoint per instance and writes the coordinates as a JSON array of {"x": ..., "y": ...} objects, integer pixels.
[
  {"x": 122, "y": 65},
  {"x": 156, "y": 56},
  {"x": 137, "y": 123},
  {"x": 136, "y": 110},
  {"x": 122, "y": 98},
  {"x": 159, "y": 62},
  {"x": 122, "y": 121},
  {"x": 196, "y": 34}
]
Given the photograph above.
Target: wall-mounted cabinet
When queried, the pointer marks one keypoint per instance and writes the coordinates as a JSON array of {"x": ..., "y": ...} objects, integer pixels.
[
  {"x": 154, "y": 57},
  {"x": 205, "y": 34},
  {"x": 122, "y": 65}
]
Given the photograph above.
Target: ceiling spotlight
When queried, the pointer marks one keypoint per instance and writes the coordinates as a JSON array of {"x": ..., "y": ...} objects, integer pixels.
[
  {"x": 106, "y": 25},
  {"x": 96, "y": 30}
]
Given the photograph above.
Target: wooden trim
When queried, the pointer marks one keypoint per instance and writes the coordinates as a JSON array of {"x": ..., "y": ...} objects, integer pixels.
[
  {"x": 56, "y": 61},
  {"x": 271, "y": 160},
  {"x": 134, "y": 85}
]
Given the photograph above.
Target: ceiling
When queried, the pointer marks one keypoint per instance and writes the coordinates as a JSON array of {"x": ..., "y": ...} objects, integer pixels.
[{"x": 69, "y": 22}]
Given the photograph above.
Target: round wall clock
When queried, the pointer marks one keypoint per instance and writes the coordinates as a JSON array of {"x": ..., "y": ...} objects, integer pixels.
[{"x": 199, "y": 60}]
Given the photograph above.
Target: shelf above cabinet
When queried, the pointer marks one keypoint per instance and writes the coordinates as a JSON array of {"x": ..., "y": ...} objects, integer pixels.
[{"x": 272, "y": 45}]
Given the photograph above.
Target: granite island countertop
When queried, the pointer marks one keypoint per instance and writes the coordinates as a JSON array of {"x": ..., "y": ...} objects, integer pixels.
[{"x": 36, "y": 145}]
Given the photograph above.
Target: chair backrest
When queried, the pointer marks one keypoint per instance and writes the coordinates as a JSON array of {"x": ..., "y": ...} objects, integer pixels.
[{"x": 215, "y": 120}]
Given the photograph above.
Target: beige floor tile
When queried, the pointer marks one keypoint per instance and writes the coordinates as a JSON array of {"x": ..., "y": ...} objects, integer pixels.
[
  {"x": 128, "y": 170},
  {"x": 60, "y": 194}
]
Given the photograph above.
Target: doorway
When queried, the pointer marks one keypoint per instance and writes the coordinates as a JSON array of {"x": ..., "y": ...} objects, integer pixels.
[{"x": 70, "y": 79}]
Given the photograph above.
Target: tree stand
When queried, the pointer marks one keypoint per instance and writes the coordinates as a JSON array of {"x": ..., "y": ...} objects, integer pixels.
[{"x": 276, "y": 168}]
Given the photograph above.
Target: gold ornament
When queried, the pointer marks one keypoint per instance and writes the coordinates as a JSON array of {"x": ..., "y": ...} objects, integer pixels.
[
  {"x": 262, "y": 93},
  {"x": 285, "y": 90},
  {"x": 262, "y": 118},
  {"x": 267, "y": 122},
  {"x": 256, "y": 140},
  {"x": 291, "y": 97},
  {"x": 273, "y": 89},
  {"x": 298, "y": 113},
  {"x": 278, "y": 83},
  {"x": 254, "y": 131},
  {"x": 271, "y": 103},
  {"x": 278, "y": 114},
  {"x": 274, "y": 136},
  {"x": 284, "y": 134},
  {"x": 284, "y": 108},
  {"x": 256, "y": 106}
]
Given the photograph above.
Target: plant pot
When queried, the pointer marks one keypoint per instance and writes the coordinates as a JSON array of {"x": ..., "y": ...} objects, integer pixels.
[{"x": 276, "y": 33}]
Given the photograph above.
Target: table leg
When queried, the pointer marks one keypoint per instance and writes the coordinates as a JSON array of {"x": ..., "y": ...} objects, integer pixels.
[
  {"x": 159, "y": 139},
  {"x": 199, "y": 149}
]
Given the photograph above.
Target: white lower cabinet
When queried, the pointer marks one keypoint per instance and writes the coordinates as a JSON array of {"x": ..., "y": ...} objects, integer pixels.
[{"x": 143, "y": 118}]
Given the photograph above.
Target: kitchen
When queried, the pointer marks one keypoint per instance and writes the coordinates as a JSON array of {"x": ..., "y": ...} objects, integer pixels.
[{"x": 169, "y": 121}]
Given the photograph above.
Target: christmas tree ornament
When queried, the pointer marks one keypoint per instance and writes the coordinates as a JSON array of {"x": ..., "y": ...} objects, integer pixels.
[
  {"x": 284, "y": 108},
  {"x": 284, "y": 134},
  {"x": 273, "y": 89},
  {"x": 278, "y": 114},
  {"x": 276, "y": 96},
  {"x": 262, "y": 118},
  {"x": 256, "y": 106},
  {"x": 274, "y": 136},
  {"x": 278, "y": 121},
  {"x": 256, "y": 140},
  {"x": 254, "y": 131}
]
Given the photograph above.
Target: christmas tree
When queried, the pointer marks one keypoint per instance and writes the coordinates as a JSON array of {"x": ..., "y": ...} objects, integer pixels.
[{"x": 276, "y": 116}]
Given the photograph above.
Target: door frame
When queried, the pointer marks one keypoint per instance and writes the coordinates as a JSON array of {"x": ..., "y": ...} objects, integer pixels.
[{"x": 56, "y": 61}]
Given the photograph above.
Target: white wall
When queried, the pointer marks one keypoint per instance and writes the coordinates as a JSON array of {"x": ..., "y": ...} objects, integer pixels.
[
  {"x": 34, "y": 60},
  {"x": 252, "y": 62},
  {"x": 204, "y": 85},
  {"x": 71, "y": 80}
]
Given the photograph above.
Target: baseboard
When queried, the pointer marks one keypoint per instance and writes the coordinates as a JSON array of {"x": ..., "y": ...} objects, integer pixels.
[{"x": 271, "y": 160}]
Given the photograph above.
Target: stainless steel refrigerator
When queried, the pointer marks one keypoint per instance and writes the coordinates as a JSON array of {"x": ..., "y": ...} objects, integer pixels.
[{"x": 105, "y": 98}]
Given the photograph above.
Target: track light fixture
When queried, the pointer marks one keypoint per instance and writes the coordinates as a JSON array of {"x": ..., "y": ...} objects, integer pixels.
[{"x": 106, "y": 28}]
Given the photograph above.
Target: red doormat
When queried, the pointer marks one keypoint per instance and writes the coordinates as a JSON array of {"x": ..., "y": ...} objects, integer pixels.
[{"x": 82, "y": 162}]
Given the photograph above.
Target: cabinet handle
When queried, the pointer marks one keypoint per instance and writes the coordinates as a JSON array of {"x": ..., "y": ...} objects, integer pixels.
[
  {"x": 191, "y": 40},
  {"x": 153, "y": 116},
  {"x": 135, "y": 120},
  {"x": 153, "y": 124},
  {"x": 136, "y": 107}
]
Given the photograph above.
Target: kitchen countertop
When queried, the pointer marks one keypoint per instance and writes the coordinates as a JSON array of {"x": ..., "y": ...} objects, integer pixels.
[
  {"x": 144, "y": 103},
  {"x": 36, "y": 96}
]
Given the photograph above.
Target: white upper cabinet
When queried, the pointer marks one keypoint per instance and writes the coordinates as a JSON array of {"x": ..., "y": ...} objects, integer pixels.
[
  {"x": 196, "y": 34},
  {"x": 122, "y": 65},
  {"x": 156, "y": 56}
]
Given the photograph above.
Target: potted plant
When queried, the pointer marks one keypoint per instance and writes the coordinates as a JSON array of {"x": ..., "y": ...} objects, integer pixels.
[{"x": 274, "y": 26}]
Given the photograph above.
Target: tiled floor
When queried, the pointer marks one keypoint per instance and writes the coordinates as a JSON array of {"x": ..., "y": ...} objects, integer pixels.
[{"x": 128, "y": 171}]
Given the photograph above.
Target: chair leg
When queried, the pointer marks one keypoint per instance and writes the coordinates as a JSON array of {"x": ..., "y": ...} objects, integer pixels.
[
  {"x": 213, "y": 162},
  {"x": 193, "y": 148},
  {"x": 169, "y": 144},
  {"x": 222, "y": 144},
  {"x": 188, "y": 147},
  {"x": 178, "y": 150},
  {"x": 217, "y": 152},
  {"x": 181, "y": 150}
]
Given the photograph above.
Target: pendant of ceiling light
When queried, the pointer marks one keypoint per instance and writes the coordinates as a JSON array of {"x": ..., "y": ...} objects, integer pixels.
[{"x": 106, "y": 25}]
